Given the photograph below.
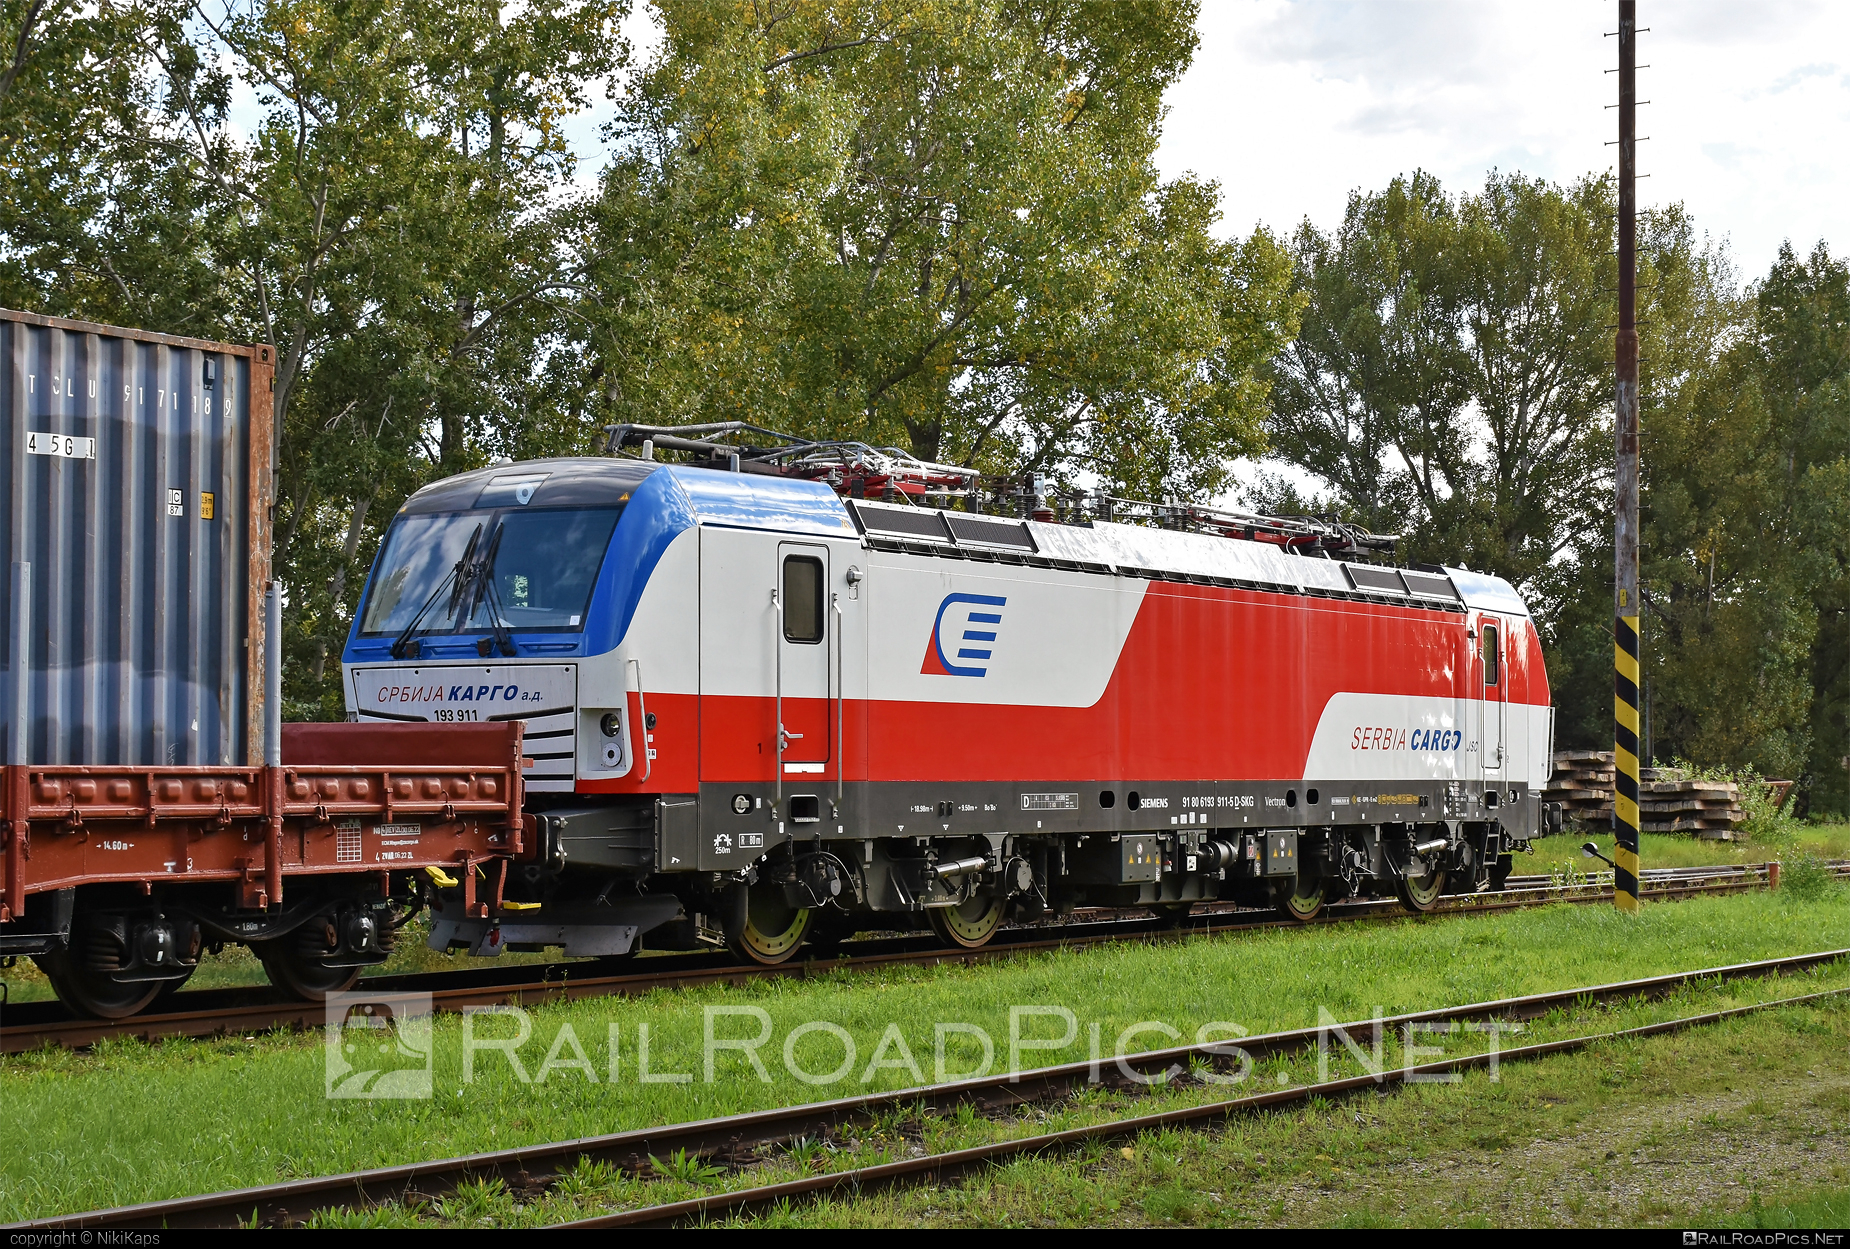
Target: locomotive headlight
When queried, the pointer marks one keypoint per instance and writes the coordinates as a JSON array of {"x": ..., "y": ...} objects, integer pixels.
[
  {"x": 611, "y": 724},
  {"x": 741, "y": 803}
]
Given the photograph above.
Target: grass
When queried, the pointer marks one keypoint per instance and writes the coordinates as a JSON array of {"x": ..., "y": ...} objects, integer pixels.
[
  {"x": 237, "y": 966},
  {"x": 1806, "y": 1208},
  {"x": 1668, "y": 1131},
  {"x": 1825, "y": 841},
  {"x": 132, "y": 1121},
  {"x": 1628, "y": 1130}
]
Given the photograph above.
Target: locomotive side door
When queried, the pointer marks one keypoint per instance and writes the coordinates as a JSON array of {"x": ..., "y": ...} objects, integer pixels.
[
  {"x": 1493, "y": 703},
  {"x": 804, "y": 636}
]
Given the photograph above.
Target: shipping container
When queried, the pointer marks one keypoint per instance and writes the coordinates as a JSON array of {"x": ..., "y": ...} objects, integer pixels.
[{"x": 135, "y": 513}]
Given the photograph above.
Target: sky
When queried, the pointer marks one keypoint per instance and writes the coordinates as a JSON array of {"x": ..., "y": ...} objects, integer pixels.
[{"x": 1291, "y": 104}]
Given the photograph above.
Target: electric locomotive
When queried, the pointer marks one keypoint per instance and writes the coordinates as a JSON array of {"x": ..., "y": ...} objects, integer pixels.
[{"x": 775, "y": 694}]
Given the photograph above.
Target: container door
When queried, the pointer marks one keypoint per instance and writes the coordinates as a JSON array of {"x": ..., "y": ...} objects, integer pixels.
[
  {"x": 1494, "y": 704},
  {"x": 805, "y": 646}
]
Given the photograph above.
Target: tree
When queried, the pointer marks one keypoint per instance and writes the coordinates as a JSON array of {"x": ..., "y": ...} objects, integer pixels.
[
  {"x": 937, "y": 226},
  {"x": 1449, "y": 378},
  {"x": 1453, "y": 382},
  {"x": 1370, "y": 393},
  {"x": 1746, "y": 508},
  {"x": 390, "y": 224}
]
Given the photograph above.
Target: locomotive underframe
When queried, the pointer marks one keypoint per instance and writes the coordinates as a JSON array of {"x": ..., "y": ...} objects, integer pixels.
[{"x": 672, "y": 871}]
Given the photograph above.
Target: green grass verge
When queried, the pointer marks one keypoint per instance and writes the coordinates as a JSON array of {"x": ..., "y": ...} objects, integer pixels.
[
  {"x": 237, "y": 966},
  {"x": 1571, "y": 1143},
  {"x": 1816, "y": 1208},
  {"x": 133, "y": 1122},
  {"x": 1732, "y": 1125},
  {"x": 1825, "y": 841}
]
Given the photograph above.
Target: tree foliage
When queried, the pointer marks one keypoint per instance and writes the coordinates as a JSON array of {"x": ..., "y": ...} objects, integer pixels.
[
  {"x": 1747, "y": 509},
  {"x": 1449, "y": 379},
  {"x": 1453, "y": 382},
  {"x": 937, "y": 226}
]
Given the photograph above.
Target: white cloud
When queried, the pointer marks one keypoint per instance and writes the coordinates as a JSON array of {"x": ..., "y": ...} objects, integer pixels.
[{"x": 1291, "y": 104}]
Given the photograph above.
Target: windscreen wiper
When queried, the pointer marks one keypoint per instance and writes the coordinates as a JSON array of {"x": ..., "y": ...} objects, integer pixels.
[
  {"x": 484, "y": 580},
  {"x": 403, "y": 645}
]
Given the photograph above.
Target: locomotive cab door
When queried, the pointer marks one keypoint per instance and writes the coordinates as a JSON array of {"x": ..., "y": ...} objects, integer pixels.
[
  {"x": 806, "y": 642},
  {"x": 1493, "y": 701}
]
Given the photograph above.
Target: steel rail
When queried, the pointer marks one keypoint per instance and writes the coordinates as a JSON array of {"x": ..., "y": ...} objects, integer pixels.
[
  {"x": 529, "y": 1167},
  {"x": 938, "y": 1167},
  {"x": 207, "y": 1013}
]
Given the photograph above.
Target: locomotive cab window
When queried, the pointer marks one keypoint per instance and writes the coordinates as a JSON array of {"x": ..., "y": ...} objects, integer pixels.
[
  {"x": 802, "y": 598},
  {"x": 1493, "y": 659}
]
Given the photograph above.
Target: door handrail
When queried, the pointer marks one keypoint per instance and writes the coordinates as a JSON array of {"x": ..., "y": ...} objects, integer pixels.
[
  {"x": 841, "y": 741},
  {"x": 777, "y": 663},
  {"x": 642, "y": 705}
]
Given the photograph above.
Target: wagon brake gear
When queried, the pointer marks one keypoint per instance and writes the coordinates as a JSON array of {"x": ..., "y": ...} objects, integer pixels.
[{"x": 117, "y": 962}]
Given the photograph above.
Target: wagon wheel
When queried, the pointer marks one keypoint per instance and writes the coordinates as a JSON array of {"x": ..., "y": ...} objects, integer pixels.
[
  {"x": 93, "y": 993},
  {"x": 969, "y": 925},
  {"x": 1300, "y": 898},
  {"x": 1420, "y": 894},
  {"x": 770, "y": 930},
  {"x": 296, "y": 963}
]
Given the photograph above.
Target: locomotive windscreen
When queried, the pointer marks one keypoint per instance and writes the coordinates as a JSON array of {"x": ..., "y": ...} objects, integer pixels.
[{"x": 534, "y": 569}]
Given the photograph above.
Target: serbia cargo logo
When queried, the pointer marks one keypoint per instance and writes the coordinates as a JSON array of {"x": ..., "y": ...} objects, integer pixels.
[{"x": 963, "y": 615}]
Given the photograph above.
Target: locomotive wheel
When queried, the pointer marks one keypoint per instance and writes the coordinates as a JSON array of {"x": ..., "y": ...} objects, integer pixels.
[
  {"x": 1421, "y": 893},
  {"x": 772, "y": 928},
  {"x": 1300, "y": 898},
  {"x": 92, "y": 993},
  {"x": 969, "y": 925},
  {"x": 294, "y": 964}
]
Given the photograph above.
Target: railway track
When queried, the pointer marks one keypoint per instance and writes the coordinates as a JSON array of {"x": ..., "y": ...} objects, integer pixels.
[
  {"x": 737, "y": 1138},
  {"x": 212, "y": 1012},
  {"x": 936, "y": 1168}
]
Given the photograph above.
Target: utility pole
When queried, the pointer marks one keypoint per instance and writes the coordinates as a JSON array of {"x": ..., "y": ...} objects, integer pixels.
[{"x": 1625, "y": 531}]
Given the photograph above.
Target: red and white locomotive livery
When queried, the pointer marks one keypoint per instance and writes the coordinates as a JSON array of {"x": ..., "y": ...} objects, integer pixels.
[{"x": 764, "y": 709}]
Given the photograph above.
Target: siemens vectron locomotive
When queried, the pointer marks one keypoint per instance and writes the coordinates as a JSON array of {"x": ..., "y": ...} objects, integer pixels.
[{"x": 778, "y": 694}]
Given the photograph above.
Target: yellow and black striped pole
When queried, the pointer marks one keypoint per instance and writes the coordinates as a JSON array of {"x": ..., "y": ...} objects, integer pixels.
[
  {"x": 1625, "y": 531},
  {"x": 1625, "y": 764}
]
